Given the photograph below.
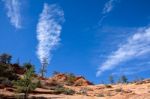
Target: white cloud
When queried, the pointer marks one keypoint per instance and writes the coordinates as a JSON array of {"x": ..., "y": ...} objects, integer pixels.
[
  {"x": 13, "y": 12},
  {"x": 48, "y": 31},
  {"x": 132, "y": 69},
  {"x": 136, "y": 46},
  {"x": 108, "y": 6}
]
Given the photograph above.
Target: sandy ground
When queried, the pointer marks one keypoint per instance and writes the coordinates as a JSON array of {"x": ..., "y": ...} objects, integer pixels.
[{"x": 129, "y": 91}]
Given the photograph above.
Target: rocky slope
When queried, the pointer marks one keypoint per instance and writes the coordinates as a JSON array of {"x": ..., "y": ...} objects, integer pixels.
[
  {"x": 136, "y": 90},
  {"x": 69, "y": 79}
]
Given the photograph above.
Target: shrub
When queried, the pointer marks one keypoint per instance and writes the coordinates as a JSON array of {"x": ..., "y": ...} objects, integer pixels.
[
  {"x": 100, "y": 95},
  {"x": 28, "y": 66},
  {"x": 108, "y": 86},
  {"x": 70, "y": 79},
  {"x": 62, "y": 90},
  {"x": 118, "y": 90},
  {"x": 59, "y": 90},
  {"x": 69, "y": 91},
  {"x": 83, "y": 91},
  {"x": 7, "y": 74}
]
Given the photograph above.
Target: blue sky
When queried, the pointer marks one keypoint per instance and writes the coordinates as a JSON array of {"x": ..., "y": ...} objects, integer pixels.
[{"x": 93, "y": 38}]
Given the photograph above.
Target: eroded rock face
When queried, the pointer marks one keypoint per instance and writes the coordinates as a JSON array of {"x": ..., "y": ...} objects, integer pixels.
[
  {"x": 64, "y": 79},
  {"x": 81, "y": 81},
  {"x": 18, "y": 69},
  {"x": 143, "y": 81}
]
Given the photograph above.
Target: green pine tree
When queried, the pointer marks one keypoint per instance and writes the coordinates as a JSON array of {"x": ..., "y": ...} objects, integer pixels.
[
  {"x": 111, "y": 79},
  {"x": 123, "y": 79},
  {"x": 26, "y": 84}
]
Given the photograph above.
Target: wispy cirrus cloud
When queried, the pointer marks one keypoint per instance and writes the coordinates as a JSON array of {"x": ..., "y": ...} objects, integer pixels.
[
  {"x": 13, "y": 12},
  {"x": 48, "y": 31},
  {"x": 108, "y": 7},
  {"x": 136, "y": 46},
  {"x": 132, "y": 70}
]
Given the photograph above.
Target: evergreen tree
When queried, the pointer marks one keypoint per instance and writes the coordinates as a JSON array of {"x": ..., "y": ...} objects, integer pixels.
[
  {"x": 123, "y": 79},
  {"x": 111, "y": 79},
  {"x": 28, "y": 65},
  {"x": 26, "y": 84},
  {"x": 43, "y": 67},
  {"x": 5, "y": 58}
]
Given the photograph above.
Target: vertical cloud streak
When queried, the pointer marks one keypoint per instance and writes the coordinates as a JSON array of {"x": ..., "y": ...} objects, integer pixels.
[
  {"x": 108, "y": 7},
  {"x": 48, "y": 31},
  {"x": 13, "y": 12},
  {"x": 136, "y": 46}
]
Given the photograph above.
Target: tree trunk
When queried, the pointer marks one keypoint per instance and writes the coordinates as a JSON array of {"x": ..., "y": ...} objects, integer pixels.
[{"x": 25, "y": 95}]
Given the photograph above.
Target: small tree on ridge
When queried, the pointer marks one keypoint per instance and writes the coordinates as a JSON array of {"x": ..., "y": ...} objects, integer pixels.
[{"x": 26, "y": 84}]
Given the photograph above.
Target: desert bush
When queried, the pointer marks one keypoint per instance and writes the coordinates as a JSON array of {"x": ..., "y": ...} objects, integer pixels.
[
  {"x": 7, "y": 74},
  {"x": 55, "y": 87},
  {"x": 63, "y": 90},
  {"x": 28, "y": 66},
  {"x": 100, "y": 95},
  {"x": 51, "y": 85},
  {"x": 69, "y": 91},
  {"x": 70, "y": 79},
  {"x": 83, "y": 91},
  {"x": 6, "y": 71},
  {"x": 108, "y": 86},
  {"x": 118, "y": 90}
]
